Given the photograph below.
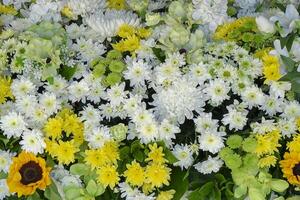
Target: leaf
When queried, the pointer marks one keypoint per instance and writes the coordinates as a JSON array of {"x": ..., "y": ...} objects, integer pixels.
[
  {"x": 159, "y": 54},
  {"x": 139, "y": 155},
  {"x": 279, "y": 185},
  {"x": 170, "y": 156},
  {"x": 289, "y": 76},
  {"x": 124, "y": 152},
  {"x": 289, "y": 63},
  {"x": 179, "y": 184},
  {"x": 34, "y": 196},
  {"x": 3, "y": 175},
  {"x": 202, "y": 192},
  {"x": 296, "y": 84},
  {"x": 255, "y": 194},
  {"x": 67, "y": 72},
  {"x": 91, "y": 188},
  {"x": 51, "y": 192},
  {"x": 79, "y": 169},
  {"x": 240, "y": 191},
  {"x": 50, "y": 80},
  {"x": 289, "y": 41}
]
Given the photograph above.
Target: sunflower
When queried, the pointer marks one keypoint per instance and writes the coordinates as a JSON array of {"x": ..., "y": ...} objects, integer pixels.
[
  {"x": 28, "y": 173},
  {"x": 291, "y": 167}
]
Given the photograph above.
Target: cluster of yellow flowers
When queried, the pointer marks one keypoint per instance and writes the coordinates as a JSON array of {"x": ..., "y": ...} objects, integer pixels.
[
  {"x": 64, "y": 135},
  {"x": 7, "y": 10},
  {"x": 131, "y": 38},
  {"x": 5, "y": 91},
  {"x": 290, "y": 165},
  {"x": 267, "y": 145}
]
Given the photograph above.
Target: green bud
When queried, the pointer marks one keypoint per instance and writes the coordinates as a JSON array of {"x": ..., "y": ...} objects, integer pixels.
[
  {"x": 114, "y": 55},
  {"x": 234, "y": 141},
  {"x": 113, "y": 78},
  {"x": 231, "y": 11},
  {"x": 116, "y": 66},
  {"x": 247, "y": 37},
  {"x": 119, "y": 132},
  {"x": 249, "y": 144}
]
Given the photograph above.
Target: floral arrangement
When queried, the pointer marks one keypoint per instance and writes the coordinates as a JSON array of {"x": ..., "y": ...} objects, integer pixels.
[{"x": 150, "y": 99}]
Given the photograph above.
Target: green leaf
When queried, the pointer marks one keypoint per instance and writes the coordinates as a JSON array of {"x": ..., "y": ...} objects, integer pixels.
[
  {"x": 289, "y": 76},
  {"x": 139, "y": 155},
  {"x": 170, "y": 156},
  {"x": 73, "y": 192},
  {"x": 202, "y": 192},
  {"x": 91, "y": 188},
  {"x": 279, "y": 185},
  {"x": 67, "y": 72},
  {"x": 34, "y": 196},
  {"x": 79, "y": 169},
  {"x": 289, "y": 63},
  {"x": 256, "y": 194},
  {"x": 51, "y": 192},
  {"x": 240, "y": 191},
  {"x": 296, "y": 84},
  {"x": 50, "y": 80},
  {"x": 289, "y": 41},
  {"x": 159, "y": 53},
  {"x": 294, "y": 198},
  {"x": 124, "y": 152},
  {"x": 179, "y": 184},
  {"x": 3, "y": 175}
]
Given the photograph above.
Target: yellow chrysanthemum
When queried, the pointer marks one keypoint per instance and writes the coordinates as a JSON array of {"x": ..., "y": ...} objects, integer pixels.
[
  {"x": 156, "y": 154},
  {"x": 267, "y": 161},
  {"x": 143, "y": 32},
  {"x": 126, "y": 31},
  {"x": 8, "y": 10},
  {"x": 28, "y": 173},
  {"x": 65, "y": 152},
  {"x": 5, "y": 91},
  {"x": 294, "y": 145},
  {"x": 290, "y": 167},
  {"x": 96, "y": 158},
  {"x": 271, "y": 68},
  {"x": 262, "y": 52},
  {"x": 108, "y": 176},
  {"x": 116, "y": 4},
  {"x": 130, "y": 44},
  {"x": 51, "y": 147},
  {"x": 53, "y": 127},
  {"x": 67, "y": 11},
  {"x": 111, "y": 150},
  {"x": 157, "y": 174},
  {"x": 135, "y": 174},
  {"x": 267, "y": 143},
  {"x": 166, "y": 195}
]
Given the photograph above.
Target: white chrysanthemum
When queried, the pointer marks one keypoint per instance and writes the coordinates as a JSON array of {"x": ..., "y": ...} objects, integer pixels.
[
  {"x": 78, "y": 90},
  {"x": 178, "y": 101},
  {"x": 26, "y": 104},
  {"x": 142, "y": 116},
  {"x": 7, "y": 107},
  {"x": 184, "y": 155},
  {"x": 127, "y": 191},
  {"x": 106, "y": 111},
  {"x": 4, "y": 191},
  {"x": 205, "y": 123},
  {"x": 107, "y": 24},
  {"x": 22, "y": 87},
  {"x": 88, "y": 50},
  {"x": 49, "y": 102},
  {"x": 235, "y": 119},
  {"x": 210, "y": 165},
  {"x": 137, "y": 72},
  {"x": 58, "y": 86},
  {"x": 278, "y": 88},
  {"x": 272, "y": 105},
  {"x": 264, "y": 126},
  {"x": 167, "y": 72},
  {"x": 199, "y": 73},
  {"x": 38, "y": 117},
  {"x": 5, "y": 160},
  {"x": 97, "y": 137},
  {"x": 12, "y": 124},
  {"x": 96, "y": 92},
  {"x": 287, "y": 127},
  {"x": 147, "y": 132},
  {"x": 227, "y": 73},
  {"x": 132, "y": 104},
  {"x": 291, "y": 110},
  {"x": 211, "y": 141},
  {"x": 167, "y": 132},
  {"x": 80, "y": 7},
  {"x": 32, "y": 141},
  {"x": 217, "y": 91},
  {"x": 176, "y": 59},
  {"x": 116, "y": 94},
  {"x": 213, "y": 13},
  {"x": 44, "y": 10},
  {"x": 90, "y": 114},
  {"x": 253, "y": 96}
]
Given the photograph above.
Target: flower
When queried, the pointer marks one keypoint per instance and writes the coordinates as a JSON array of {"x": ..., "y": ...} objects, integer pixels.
[
  {"x": 267, "y": 143},
  {"x": 212, "y": 164},
  {"x": 5, "y": 91},
  {"x": 116, "y": 4},
  {"x": 108, "y": 176},
  {"x": 5, "y": 160},
  {"x": 4, "y": 191},
  {"x": 156, "y": 154},
  {"x": 12, "y": 124},
  {"x": 28, "y": 173},
  {"x": 267, "y": 161},
  {"x": 166, "y": 195},
  {"x": 290, "y": 167},
  {"x": 264, "y": 25},
  {"x": 33, "y": 141},
  {"x": 157, "y": 175},
  {"x": 65, "y": 152},
  {"x": 184, "y": 156},
  {"x": 211, "y": 141},
  {"x": 135, "y": 174}
]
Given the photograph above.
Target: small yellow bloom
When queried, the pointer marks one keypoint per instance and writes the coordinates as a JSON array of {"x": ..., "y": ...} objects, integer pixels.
[
  {"x": 67, "y": 11},
  {"x": 135, "y": 174},
  {"x": 111, "y": 150},
  {"x": 108, "y": 176},
  {"x": 294, "y": 145},
  {"x": 267, "y": 161},
  {"x": 116, "y": 4},
  {"x": 5, "y": 91},
  {"x": 53, "y": 127},
  {"x": 166, "y": 195},
  {"x": 290, "y": 167},
  {"x": 143, "y": 32},
  {"x": 126, "y": 31},
  {"x": 28, "y": 173},
  {"x": 95, "y": 158},
  {"x": 157, "y": 175},
  {"x": 65, "y": 152},
  {"x": 130, "y": 44},
  {"x": 156, "y": 154},
  {"x": 7, "y": 10},
  {"x": 267, "y": 143}
]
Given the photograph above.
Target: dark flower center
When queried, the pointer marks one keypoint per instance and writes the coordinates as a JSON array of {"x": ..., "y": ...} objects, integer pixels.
[
  {"x": 296, "y": 170},
  {"x": 31, "y": 172}
]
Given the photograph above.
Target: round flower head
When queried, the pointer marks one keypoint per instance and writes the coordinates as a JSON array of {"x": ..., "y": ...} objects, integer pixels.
[
  {"x": 211, "y": 141},
  {"x": 12, "y": 124},
  {"x": 184, "y": 155},
  {"x": 28, "y": 173},
  {"x": 5, "y": 160},
  {"x": 32, "y": 141},
  {"x": 210, "y": 165},
  {"x": 290, "y": 167}
]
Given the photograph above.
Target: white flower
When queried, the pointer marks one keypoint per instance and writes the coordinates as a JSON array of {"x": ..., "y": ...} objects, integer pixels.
[
  {"x": 210, "y": 165},
  {"x": 291, "y": 110},
  {"x": 26, "y": 104},
  {"x": 132, "y": 104},
  {"x": 12, "y": 124},
  {"x": 217, "y": 91},
  {"x": 211, "y": 141},
  {"x": 49, "y": 102},
  {"x": 205, "y": 123},
  {"x": 4, "y": 191},
  {"x": 264, "y": 25},
  {"x": 167, "y": 72},
  {"x": 5, "y": 160},
  {"x": 142, "y": 116},
  {"x": 32, "y": 141},
  {"x": 44, "y": 10},
  {"x": 116, "y": 94},
  {"x": 265, "y": 126},
  {"x": 184, "y": 155},
  {"x": 137, "y": 72},
  {"x": 253, "y": 96},
  {"x": 167, "y": 132},
  {"x": 58, "y": 86},
  {"x": 97, "y": 137},
  {"x": 147, "y": 132},
  {"x": 272, "y": 105},
  {"x": 287, "y": 19},
  {"x": 107, "y": 24},
  {"x": 90, "y": 114},
  {"x": 78, "y": 91},
  {"x": 287, "y": 127},
  {"x": 80, "y": 7},
  {"x": 22, "y": 87},
  {"x": 295, "y": 49},
  {"x": 199, "y": 73},
  {"x": 278, "y": 88},
  {"x": 176, "y": 59},
  {"x": 235, "y": 119}
]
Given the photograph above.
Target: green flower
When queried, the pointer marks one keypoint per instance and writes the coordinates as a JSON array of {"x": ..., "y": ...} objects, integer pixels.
[
  {"x": 249, "y": 144},
  {"x": 247, "y": 37},
  {"x": 234, "y": 141},
  {"x": 233, "y": 161},
  {"x": 225, "y": 153},
  {"x": 99, "y": 70},
  {"x": 119, "y": 132},
  {"x": 177, "y": 10},
  {"x": 113, "y": 78},
  {"x": 114, "y": 55},
  {"x": 116, "y": 66}
]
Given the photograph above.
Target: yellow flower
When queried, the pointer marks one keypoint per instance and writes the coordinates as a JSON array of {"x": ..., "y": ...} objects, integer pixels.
[
  {"x": 116, "y": 4},
  {"x": 126, "y": 31},
  {"x": 267, "y": 161},
  {"x": 157, "y": 175},
  {"x": 267, "y": 143},
  {"x": 108, "y": 176},
  {"x": 5, "y": 91},
  {"x": 111, "y": 150},
  {"x": 298, "y": 123},
  {"x": 28, "y": 173},
  {"x": 135, "y": 174},
  {"x": 51, "y": 147},
  {"x": 95, "y": 158},
  {"x": 130, "y": 44},
  {"x": 143, "y": 32},
  {"x": 290, "y": 167},
  {"x": 53, "y": 127},
  {"x": 166, "y": 195},
  {"x": 271, "y": 68},
  {"x": 156, "y": 154},
  {"x": 8, "y": 10},
  {"x": 67, "y": 11},
  {"x": 262, "y": 52},
  {"x": 72, "y": 125},
  {"x": 65, "y": 152},
  {"x": 294, "y": 145}
]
